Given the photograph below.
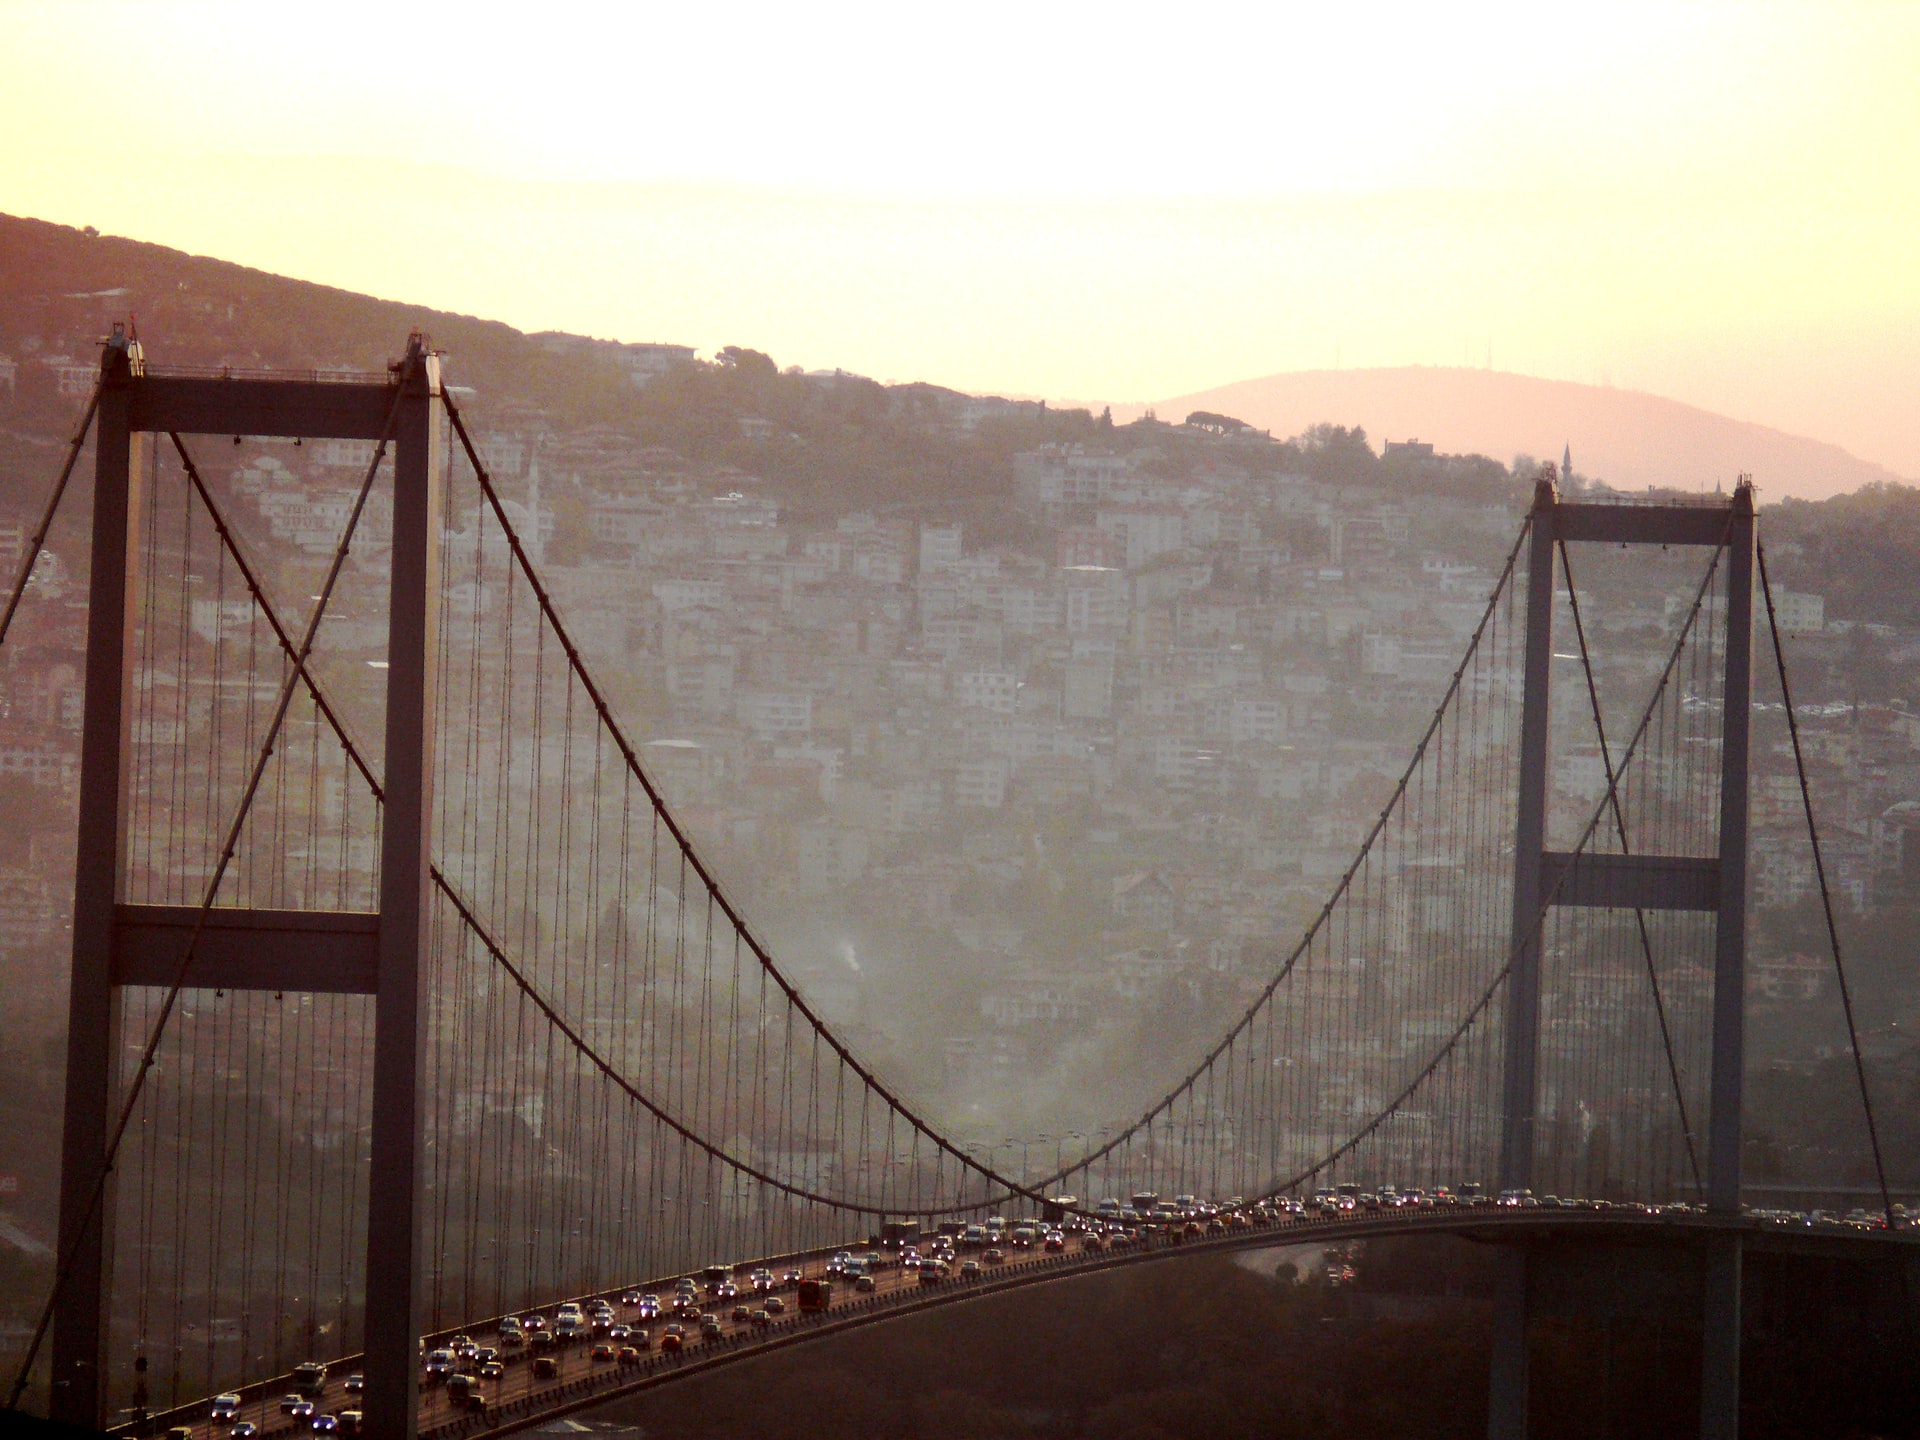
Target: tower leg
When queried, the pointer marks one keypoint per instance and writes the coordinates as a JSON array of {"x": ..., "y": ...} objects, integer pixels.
[
  {"x": 394, "y": 1250},
  {"x": 79, "y": 1338},
  {"x": 1720, "y": 1342},
  {"x": 1507, "y": 1379}
]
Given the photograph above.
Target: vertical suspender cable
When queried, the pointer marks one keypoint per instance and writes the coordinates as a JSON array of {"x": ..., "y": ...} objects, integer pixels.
[{"x": 1826, "y": 895}]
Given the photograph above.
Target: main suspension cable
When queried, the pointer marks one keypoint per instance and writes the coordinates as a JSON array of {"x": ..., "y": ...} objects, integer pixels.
[
  {"x": 1547, "y": 902},
  {"x": 632, "y": 760},
  {"x": 39, "y": 538}
]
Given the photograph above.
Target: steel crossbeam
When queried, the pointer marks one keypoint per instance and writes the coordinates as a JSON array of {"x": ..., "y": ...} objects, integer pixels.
[{"x": 313, "y": 952}]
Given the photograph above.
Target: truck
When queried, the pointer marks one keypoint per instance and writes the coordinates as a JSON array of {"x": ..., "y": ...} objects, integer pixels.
[
  {"x": 1055, "y": 1208},
  {"x": 309, "y": 1379},
  {"x": 896, "y": 1233},
  {"x": 815, "y": 1296}
]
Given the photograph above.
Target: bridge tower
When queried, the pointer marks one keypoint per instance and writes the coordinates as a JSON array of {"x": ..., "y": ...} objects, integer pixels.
[
  {"x": 118, "y": 945},
  {"x": 1718, "y": 884}
]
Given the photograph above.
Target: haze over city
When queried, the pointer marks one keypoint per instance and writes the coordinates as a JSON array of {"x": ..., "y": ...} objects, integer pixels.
[{"x": 1004, "y": 722}]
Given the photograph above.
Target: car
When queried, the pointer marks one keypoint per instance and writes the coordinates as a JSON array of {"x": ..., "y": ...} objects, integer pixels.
[
  {"x": 1093, "y": 1240},
  {"x": 932, "y": 1273},
  {"x": 287, "y": 1402},
  {"x": 759, "y": 1316},
  {"x": 629, "y": 1355},
  {"x": 463, "y": 1347},
  {"x": 670, "y": 1342},
  {"x": 485, "y": 1353},
  {"x": 649, "y": 1306},
  {"x": 865, "y": 1285},
  {"x": 620, "y": 1334},
  {"x": 180, "y": 1432},
  {"x": 351, "y": 1421},
  {"x": 243, "y": 1430},
  {"x": 604, "y": 1354},
  {"x": 762, "y": 1280},
  {"x": 994, "y": 1255},
  {"x": 970, "y": 1270},
  {"x": 1055, "y": 1242},
  {"x": 301, "y": 1409},
  {"x": 324, "y": 1424},
  {"x": 676, "y": 1328},
  {"x": 533, "y": 1323},
  {"x": 790, "y": 1276},
  {"x": 726, "y": 1290},
  {"x": 630, "y": 1299},
  {"x": 640, "y": 1339},
  {"x": 541, "y": 1340},
  {"x": 776, "y": 1306},
  {"x": 710, "y": 1327},
  {"x": 225, "y": 1407},
  {"x": 545, "y": 1367}
]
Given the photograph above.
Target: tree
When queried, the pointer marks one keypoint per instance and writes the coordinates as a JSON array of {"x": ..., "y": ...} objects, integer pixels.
[
  {"x": 753, "y": 364},
  {"x": 1217, "y": 424}
]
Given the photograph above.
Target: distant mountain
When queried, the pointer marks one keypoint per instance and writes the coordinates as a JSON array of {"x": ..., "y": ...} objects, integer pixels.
[{"x": 1626, "y": 437}]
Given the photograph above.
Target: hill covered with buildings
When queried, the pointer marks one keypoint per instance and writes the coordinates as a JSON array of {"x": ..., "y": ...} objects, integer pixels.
[{"x": 1030, "y": 738}]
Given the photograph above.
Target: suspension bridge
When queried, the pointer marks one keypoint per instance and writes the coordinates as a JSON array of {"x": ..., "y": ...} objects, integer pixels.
[{"x": 385, "y": 1039}]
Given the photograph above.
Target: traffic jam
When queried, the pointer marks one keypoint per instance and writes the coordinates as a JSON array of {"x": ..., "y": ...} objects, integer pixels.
[{"x": 627, "y": 1333}]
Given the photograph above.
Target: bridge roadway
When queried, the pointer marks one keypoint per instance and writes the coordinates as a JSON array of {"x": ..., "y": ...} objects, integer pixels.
[{"x": 518, "y": 1401}]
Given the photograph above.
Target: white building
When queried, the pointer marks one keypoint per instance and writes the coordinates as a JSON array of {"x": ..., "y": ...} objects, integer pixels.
[
  {"x": 1799, "y": 613},
  {"x": 939, "y": 547},
  {"x": 1144, "y": 531},
  {"x": 769, "y": 714},
  {"x": 982, "y": 784},
  {"x": 1096, "y": 598},
  {"x": 1256, "y": 719},
  {"x": 994, "y": 690}
]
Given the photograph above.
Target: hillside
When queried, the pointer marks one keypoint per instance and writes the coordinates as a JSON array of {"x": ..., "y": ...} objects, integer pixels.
[
  {"x": 823, "y": 446},
  {"x": 1626, "y": 437},
  {"x": 841, "y": 442}
]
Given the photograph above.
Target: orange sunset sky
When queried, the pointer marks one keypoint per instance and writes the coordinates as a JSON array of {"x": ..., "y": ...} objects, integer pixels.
[{"x": 1717, "y": 203}]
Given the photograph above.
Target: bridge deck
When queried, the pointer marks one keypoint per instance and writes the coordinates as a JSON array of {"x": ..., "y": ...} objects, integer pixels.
[{"x": 518, "y": 1401}]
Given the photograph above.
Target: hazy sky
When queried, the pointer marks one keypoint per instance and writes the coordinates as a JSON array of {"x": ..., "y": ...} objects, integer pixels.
[{"x": 1720, "y": 203}]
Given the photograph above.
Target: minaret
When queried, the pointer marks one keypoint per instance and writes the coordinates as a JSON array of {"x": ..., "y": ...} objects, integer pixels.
[{"x": 1566, "y": 462}]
